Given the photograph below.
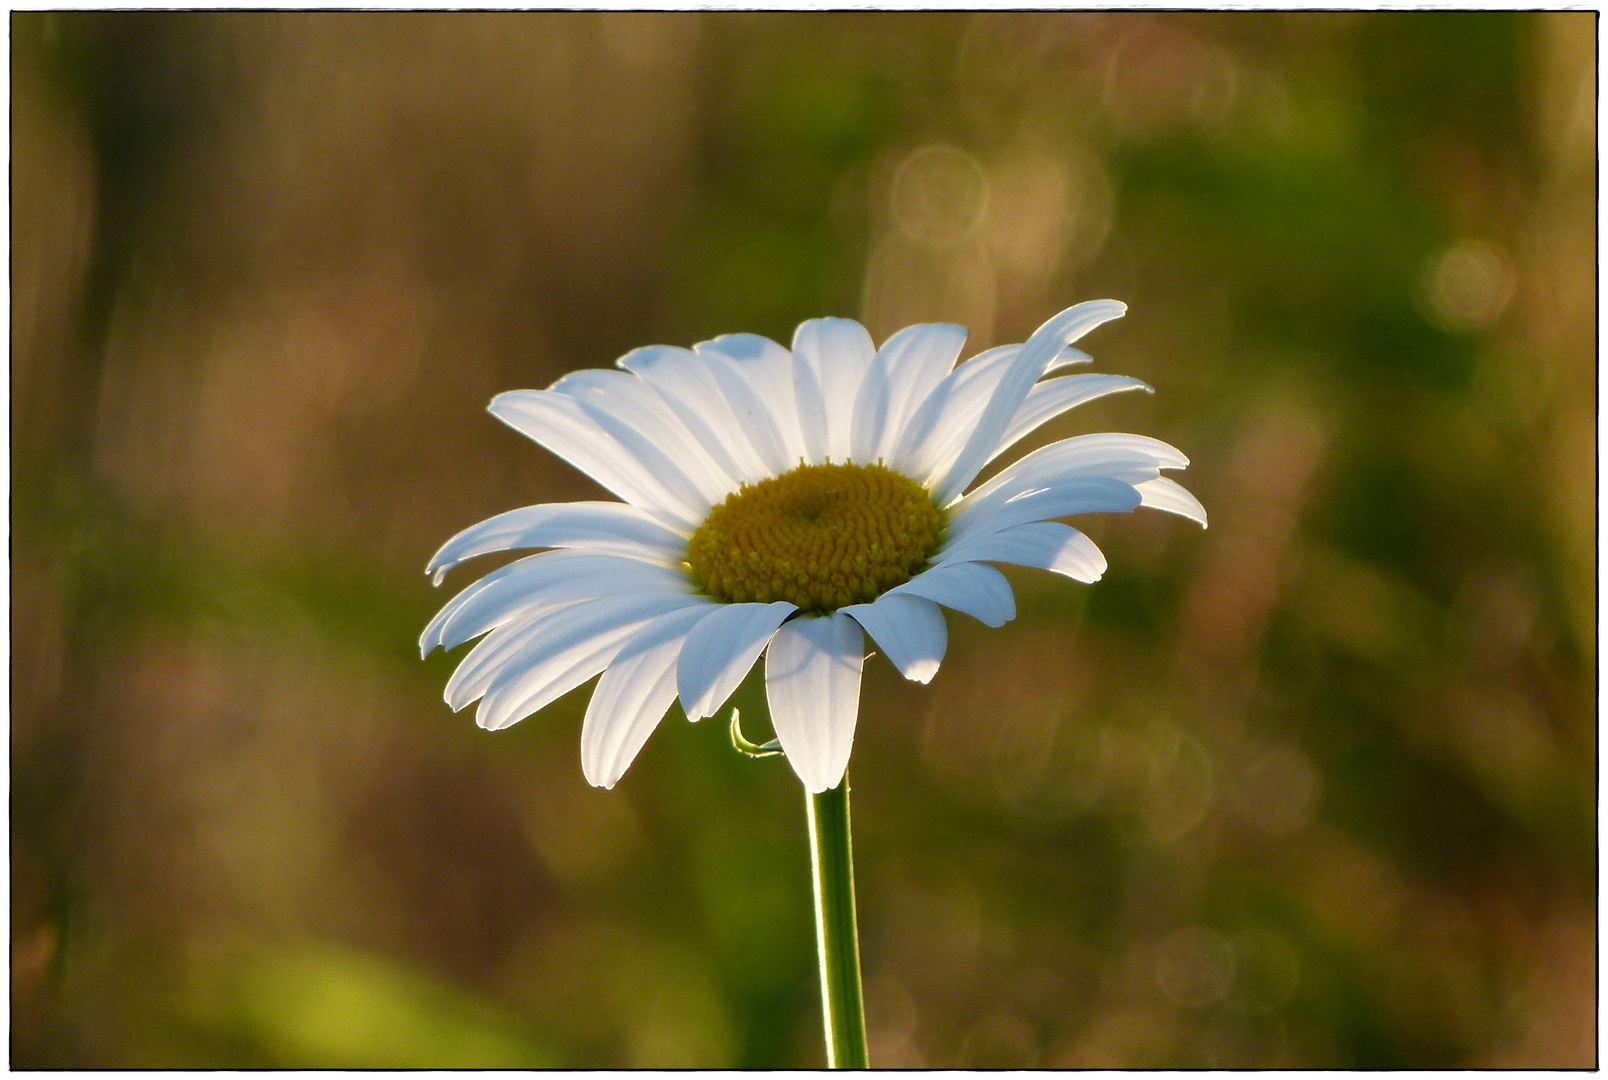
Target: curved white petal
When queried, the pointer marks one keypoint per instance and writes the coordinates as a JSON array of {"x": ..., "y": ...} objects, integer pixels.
[
  {"x": 943, "y": 421},
  {"x": 1024, "y": 370},
  {"x": 602, "y": 527},
  {"x": 769, "y": 369},
  {"x": 631, "y": 400},
  {"x": 903, "y": 372},
  {"x": 1082, "y": 495},
  {"x": 970, "y": 588},
  {"x": 656, "y": 457},
  {"x": 812, "y": 682},
  {"x": 568, "y": 651},
  {"x": 746, "y": 348},
  {"x": 830, "y": 358},
  {"x": 560, "y": 424},
  {"x": 940, "y": 425},
  {"x": 1051, "y": 398},
  {"x": 488, "y": 659},
  {"x": 546, "y": 580},
  {"x": 432, "y": 638},
  {"x": 720, "y": 652},
  {"x": 1045, "y": 545},
  {"x": 636, "y": 690},
  {"x": 1131, "y": 458},
  {"x": 909, "y": 630},
  {"x": 810, "y": 405},
  {"x": 748, "y": 405},
  {"x": 871, "y": 408},
  {"x": 1169, "y": 495},
  {"x": 686, "y": 385}
]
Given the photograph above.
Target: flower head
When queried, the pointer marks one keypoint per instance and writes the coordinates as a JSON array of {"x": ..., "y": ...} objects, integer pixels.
[{"x": 785, "y": 503}]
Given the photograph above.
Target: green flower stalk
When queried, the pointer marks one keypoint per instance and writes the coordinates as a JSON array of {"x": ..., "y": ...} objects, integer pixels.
[{"x": 786, "y": 503}]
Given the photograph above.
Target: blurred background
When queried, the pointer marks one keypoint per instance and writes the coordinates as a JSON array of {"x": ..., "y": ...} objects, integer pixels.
[{"x": 1315, "y": 787}]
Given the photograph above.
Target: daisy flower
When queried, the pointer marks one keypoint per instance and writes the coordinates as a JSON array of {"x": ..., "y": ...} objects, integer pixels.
[{"x": 784, "y": 503}]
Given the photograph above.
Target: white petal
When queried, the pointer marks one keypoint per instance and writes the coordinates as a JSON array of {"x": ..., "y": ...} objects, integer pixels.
[
  {"x": 769, "y": 369},
  {"x": 636, "y": 690},
  {"x": 1025, "y": 369},
  {"x": 871, "y": 409},
  {"x": 1164, "y": 494},
  {"x": 903, "y": 372},
  {"x": 488, "y": 659},
  {"x": 748, "y": 405},
  {"x": 810, "y": 405},
  {"x": 970, "y": 588},
  {"x": 1131, "y": 458},
  {"x": 1067, "y": 358},
  {"x": 749, "y": 349},
  {"x": 1082, "y": 495},
  {"x": 943, "y": 422},
  {"x": 687, "y": 387},
  {"x": 562, "y": 426},
  {"x": 633, "y": 401},
  {"x": 431, "y": 639},
  {"x": 657, "y": 457},
  {"x": 1046, "y": 545},
  {"x": 603, "y": 527},
  {"x": 546, "y": 580},
  {"x": 572, "y": 647},
  {"x": 938, "y": 429},
  {"x": 720, "y": 652},
  {"x": 812, "y": 682},
  {"x": 1050, "y": 399},
  {"x": 830, "y": 358},
  {"x": 909, "y": 630}
]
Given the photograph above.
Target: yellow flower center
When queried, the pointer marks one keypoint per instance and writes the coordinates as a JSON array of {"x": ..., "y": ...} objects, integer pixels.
[{"x": 821, "y": 537}]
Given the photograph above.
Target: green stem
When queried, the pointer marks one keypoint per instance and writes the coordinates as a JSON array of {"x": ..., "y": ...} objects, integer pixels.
[{"x": 837, "y": 940}]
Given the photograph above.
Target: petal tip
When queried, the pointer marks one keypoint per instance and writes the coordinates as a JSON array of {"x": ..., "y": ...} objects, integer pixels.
[{"x": 820, "y": 784}]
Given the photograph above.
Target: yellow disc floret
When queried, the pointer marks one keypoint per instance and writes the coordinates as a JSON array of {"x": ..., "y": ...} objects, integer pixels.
[{"x": 821, "y": 537}]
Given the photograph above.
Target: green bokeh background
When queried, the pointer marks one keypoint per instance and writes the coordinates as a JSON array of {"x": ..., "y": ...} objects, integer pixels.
[{"x": 1315, "y": 787}]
